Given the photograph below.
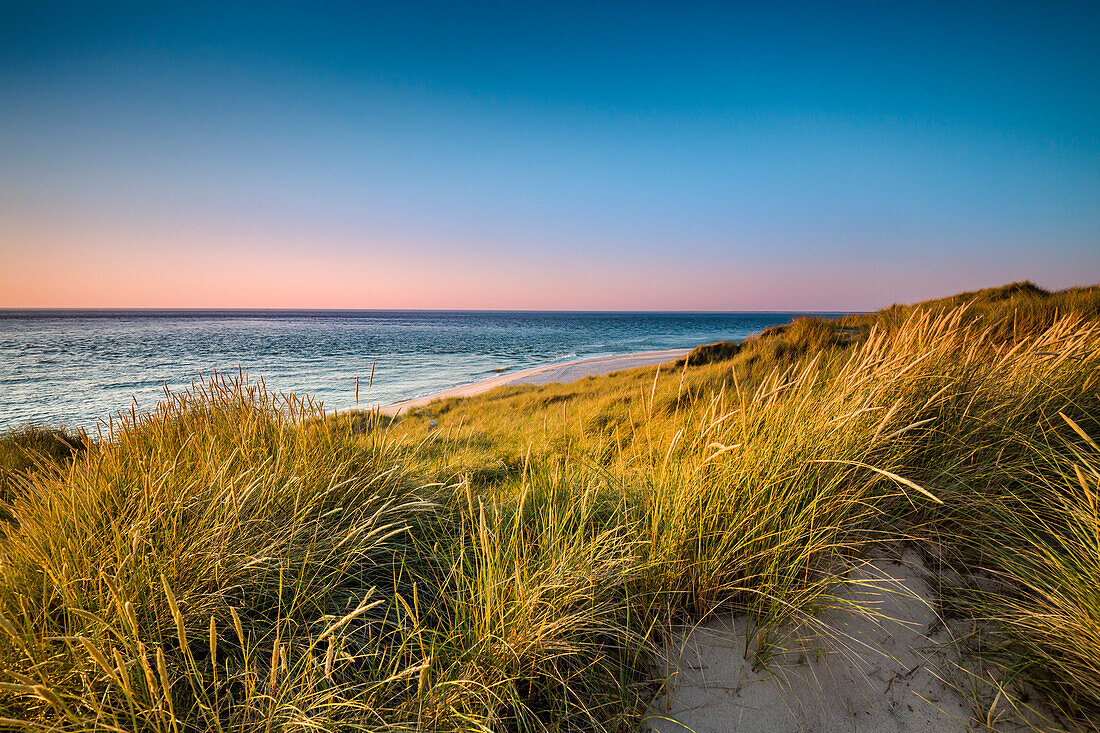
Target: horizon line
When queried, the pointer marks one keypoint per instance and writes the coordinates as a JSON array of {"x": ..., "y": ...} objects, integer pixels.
[{"x": 154, "y": 309}]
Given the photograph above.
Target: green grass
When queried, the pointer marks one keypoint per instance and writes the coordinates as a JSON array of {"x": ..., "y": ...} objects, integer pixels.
[
  {"x": 514, "y": 561},
  {"x": 1036, "y": 535},
  {"x": 26, "y": 449}
]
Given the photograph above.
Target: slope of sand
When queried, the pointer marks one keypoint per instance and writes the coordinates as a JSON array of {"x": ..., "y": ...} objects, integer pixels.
[
  {"x": 563, "y": 372},
  {"x": 897, "y": 669}
]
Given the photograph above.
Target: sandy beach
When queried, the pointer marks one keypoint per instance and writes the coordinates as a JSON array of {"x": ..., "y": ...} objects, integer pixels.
[{"x": 559, "y": 372}]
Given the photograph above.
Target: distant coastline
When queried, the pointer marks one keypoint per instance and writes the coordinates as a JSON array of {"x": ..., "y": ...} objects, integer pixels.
[
  {"x": 75, "y": 368},
  {"x": 558, "y": 372}
]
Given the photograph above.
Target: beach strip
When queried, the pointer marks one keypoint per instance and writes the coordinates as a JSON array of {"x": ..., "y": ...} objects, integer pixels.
[{"x": 558, "y": 372}]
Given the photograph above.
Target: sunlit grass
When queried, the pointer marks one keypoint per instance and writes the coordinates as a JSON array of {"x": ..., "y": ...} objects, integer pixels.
[
  {"x": 238, "y": 560},
  {"x": 1037, "y": 539}
]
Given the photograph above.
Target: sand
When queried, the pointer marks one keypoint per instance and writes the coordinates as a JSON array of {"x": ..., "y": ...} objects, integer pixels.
[
  {"x": 561, "y": 372},
  {"x": 901, "y": 671}
]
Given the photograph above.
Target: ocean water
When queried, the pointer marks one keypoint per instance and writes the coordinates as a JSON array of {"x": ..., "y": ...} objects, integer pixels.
[{"x": 75, "y": 368}]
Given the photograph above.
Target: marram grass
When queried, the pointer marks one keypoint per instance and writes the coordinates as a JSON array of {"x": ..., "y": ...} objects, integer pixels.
[{"x": 239, "y": 561}]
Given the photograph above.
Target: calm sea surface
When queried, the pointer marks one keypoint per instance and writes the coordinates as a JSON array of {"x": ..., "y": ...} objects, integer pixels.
[{"x": 77, "y": 367}]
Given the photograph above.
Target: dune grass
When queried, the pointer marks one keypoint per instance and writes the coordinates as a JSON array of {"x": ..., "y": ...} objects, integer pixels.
[
  {"x": 238, "y": 560},
  {"x": 1037, "y": 537},
  {"x": 26, "y": 449}
]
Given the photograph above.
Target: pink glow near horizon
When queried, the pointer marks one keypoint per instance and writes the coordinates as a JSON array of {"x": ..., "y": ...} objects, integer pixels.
[{"x": 53, "y": 267}]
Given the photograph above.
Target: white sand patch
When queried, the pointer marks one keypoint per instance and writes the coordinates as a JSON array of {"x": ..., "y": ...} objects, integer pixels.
[{"x": 857, "y": 673}]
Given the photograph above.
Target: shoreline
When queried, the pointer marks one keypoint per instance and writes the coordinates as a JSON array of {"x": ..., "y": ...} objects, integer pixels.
[{"x": 561, "y": 372}]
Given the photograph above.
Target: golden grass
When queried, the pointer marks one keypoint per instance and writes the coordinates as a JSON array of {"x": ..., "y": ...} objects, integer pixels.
[
  {"x": 27, "y": 449},
  {"x": 240, "y": 561}
]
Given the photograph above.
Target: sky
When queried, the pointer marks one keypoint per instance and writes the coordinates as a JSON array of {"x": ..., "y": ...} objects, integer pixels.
[{"x": 522, "y": 155}]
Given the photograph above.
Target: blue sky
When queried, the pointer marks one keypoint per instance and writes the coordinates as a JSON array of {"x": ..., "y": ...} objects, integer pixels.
[{"x": 517, "y": 155}]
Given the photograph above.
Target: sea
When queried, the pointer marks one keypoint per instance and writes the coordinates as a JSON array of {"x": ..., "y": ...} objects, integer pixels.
[{"x": 75, "y": 368}]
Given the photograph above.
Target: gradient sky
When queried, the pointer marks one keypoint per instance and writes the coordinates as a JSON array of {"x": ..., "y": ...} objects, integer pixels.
[{"x": 764, "y": 156}]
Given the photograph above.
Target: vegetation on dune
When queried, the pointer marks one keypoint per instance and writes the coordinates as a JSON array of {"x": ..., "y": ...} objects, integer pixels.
[
  {"x": 240, "y": 561},
  {"x": 1038, "y": 536},
  {"x": 25, "y": 449},
  {"x": 1013, "y": 311}
]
